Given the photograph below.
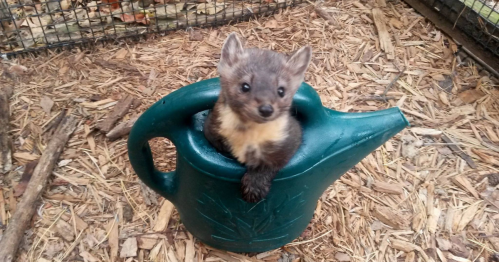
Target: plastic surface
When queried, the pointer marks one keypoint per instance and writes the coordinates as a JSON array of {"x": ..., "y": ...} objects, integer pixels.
[{"x": 205, "y": 188}]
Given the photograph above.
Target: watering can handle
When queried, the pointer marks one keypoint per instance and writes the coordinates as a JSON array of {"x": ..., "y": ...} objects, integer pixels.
[{"x": 170, "y": 118}]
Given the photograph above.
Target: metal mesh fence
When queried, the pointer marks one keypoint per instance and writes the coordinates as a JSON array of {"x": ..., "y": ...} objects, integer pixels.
[
  {"x": 29, "y": 25},
  {"x": 479, "y": 19}
]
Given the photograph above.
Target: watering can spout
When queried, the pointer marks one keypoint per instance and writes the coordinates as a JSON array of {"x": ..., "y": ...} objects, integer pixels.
[
  {"x": 341, "y": 140},
  {"x": 364, "y": 132}
]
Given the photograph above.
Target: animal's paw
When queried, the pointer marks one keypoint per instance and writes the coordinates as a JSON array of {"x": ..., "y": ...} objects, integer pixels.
[{"x": 254, "y": 188}]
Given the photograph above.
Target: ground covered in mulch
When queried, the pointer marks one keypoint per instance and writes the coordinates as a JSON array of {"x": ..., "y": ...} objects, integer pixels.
[{"x": 429, "y": 194}]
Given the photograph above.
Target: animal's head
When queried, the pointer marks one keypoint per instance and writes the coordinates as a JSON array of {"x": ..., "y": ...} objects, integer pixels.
[{"x": 257, "y": 84}]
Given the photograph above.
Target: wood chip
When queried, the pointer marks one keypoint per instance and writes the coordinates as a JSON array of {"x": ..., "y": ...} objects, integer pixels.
[
  {"x": 323, "y": 13},
  {"x": 465, "y": 184},
  {"x": 384, "y": 37},
  {"x": 388, "y": 188},
  {"x": 122, "y": 129},
  {"x": 458, "y": 151},
  {"x": 147, "y": 243},
  {"x": 112, "y": 228},
  {"x": 65, "y": 230},
  {"x": 26, "y": 156},
  {"x": 164, "y": 216},
  {"x": 129, "y": 248},
  {"x": 426, "y": 131},
  {"x": 387, "y": 216},
  {"x": 46, "y": 103},
  {"x": 467, "y": 216}
]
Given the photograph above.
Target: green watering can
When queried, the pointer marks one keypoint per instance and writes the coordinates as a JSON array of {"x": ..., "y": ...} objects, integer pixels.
[{"x": 206, "y": 189}]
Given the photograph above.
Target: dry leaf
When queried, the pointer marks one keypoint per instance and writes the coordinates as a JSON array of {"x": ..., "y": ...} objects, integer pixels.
[
  {"x": 46, "y": 103},
  {"x": 115, "y": 4},
  {"x": 470, "y": 96},
  {"x": 139, "y": 18}
]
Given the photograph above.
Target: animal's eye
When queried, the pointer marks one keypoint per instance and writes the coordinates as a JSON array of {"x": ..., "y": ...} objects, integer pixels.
[
  {"x": 245, "y": 88},
  {"x": 281, "y": 92}
]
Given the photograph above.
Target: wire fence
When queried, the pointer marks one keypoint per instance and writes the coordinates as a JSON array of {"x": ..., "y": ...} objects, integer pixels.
[
  {"x": 30, "y": 25},
  {"x": 479, "y": 19}
]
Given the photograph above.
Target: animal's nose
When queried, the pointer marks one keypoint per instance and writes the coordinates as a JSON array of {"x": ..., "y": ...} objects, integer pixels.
[{"x": 266, "y": 110}]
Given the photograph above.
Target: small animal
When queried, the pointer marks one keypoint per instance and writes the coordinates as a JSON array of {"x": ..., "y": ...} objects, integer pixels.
[{"x": 251, "y": 119}]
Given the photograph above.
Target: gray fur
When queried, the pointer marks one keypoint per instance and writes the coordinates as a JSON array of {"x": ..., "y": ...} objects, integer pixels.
[{"x": 265, "y": 71}]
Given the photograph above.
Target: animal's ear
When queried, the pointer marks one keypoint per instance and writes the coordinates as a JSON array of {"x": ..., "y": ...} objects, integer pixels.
[
  {"x": 232, "y": 51},
  {"x": 298, "y": 63}
]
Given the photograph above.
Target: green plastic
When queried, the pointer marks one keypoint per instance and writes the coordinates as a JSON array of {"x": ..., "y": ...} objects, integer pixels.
[{"x": 205, "y": 188}]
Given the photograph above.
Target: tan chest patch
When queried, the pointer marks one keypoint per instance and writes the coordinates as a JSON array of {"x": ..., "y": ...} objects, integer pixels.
[{"x": 253, "y": 136}]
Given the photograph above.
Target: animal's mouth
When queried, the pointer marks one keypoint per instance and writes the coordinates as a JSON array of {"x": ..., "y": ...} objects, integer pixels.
[{"x": 255, "y": 117}]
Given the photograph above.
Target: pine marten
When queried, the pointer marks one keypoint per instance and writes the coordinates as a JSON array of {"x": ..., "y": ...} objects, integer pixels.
[{"x": 251, "y": 119}]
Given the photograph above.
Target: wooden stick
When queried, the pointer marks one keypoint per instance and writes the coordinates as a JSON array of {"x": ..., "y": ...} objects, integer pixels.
[
  {"x": 121, "y": 129},
  {"x": 5, "y": 144},
  {"x": 118, "y": 112},
  {"x": 26, "y": 207}
]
